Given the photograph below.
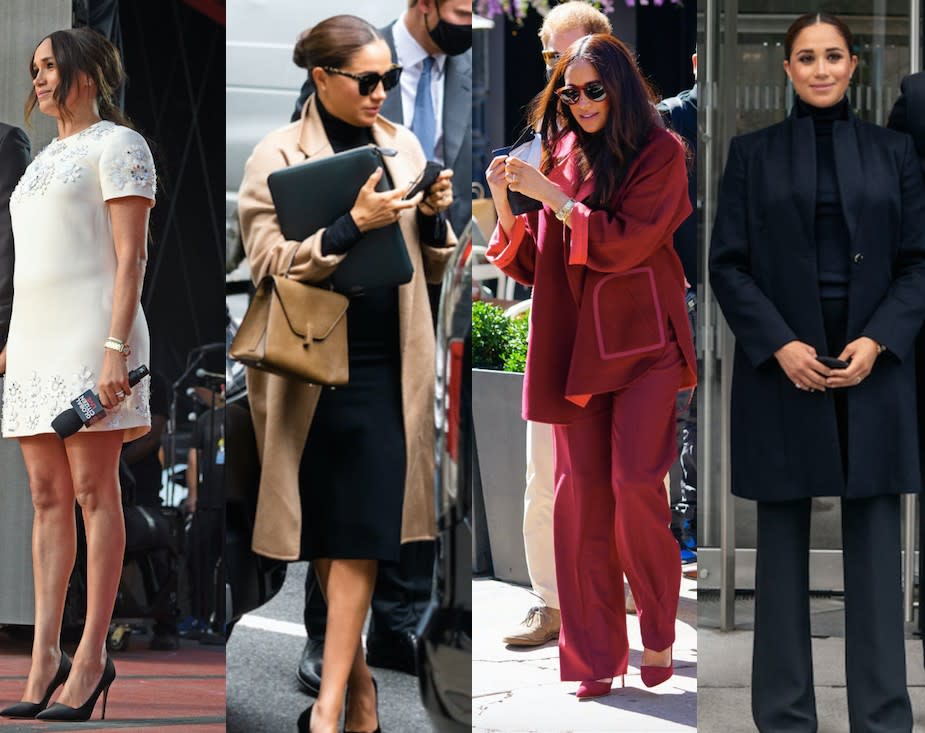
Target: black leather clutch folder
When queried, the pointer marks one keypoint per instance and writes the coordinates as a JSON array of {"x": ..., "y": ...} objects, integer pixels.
[{"x": 314, "y": 194}]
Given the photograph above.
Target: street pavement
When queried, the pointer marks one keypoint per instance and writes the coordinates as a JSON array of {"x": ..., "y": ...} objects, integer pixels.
[
  {"x": 518, "y": 689},
  {"x": 263, "y": 653},
  {"x": 725, "y": 672}
]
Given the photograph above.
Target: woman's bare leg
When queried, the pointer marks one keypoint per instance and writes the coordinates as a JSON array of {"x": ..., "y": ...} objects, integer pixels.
[
  {"x": 54, "y": 549},
  {"x": 348, "y": 589},
  {"x": 94, "y": 465}
]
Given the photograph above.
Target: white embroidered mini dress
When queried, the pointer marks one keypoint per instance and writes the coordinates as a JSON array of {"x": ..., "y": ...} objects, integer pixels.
[{"x": 63, "y": 279}]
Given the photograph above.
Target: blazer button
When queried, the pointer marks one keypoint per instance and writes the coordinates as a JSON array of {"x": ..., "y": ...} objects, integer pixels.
[{"x": 858, "y": 258}]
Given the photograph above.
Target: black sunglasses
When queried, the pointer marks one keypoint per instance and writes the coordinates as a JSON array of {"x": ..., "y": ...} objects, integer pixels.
[
  {"x": 369, "y": 80},
  {"x": 570, "y": 94}
]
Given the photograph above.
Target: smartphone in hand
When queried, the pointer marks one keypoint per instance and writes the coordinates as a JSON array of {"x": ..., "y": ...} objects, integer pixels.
[
  {"x": 424, "y": 181},
  {"x": 832, "y": 363}
]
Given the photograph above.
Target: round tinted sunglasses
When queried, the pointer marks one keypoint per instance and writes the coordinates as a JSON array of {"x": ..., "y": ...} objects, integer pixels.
[
  {"x": 570, "y": 94},
  {"x": 369, "y": 80},
  {"x": 550, "y": 57}
]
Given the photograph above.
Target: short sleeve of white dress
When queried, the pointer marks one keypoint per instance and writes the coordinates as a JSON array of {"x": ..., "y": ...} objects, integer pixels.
[
  {"x": 64, "y": 276},
  {"x": 126, "y": 166}
]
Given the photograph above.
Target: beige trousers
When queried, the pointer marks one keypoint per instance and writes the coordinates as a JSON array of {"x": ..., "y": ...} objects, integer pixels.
[{"x": 538, "y": 497}]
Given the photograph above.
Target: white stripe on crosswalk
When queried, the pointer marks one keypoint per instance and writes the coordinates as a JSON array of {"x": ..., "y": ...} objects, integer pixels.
[{"x": 272, "y": 624}]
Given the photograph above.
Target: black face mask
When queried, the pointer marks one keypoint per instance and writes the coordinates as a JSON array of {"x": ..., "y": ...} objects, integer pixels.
[{"x": 452, "y": 38}]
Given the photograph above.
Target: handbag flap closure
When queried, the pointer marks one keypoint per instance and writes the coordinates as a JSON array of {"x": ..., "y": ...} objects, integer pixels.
[{"x": 311, "y": 312}]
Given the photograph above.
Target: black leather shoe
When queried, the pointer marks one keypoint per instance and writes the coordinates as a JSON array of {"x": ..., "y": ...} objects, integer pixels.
[
  {"x": 309, "y": 671},
  {"x": 392, "y": 651},
  {"x": 31, "y": 709}
]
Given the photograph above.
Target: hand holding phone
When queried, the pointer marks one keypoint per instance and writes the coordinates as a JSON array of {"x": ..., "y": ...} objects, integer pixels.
[
  {"x": 424, "y": 181},
  {"x": 832, "y": 363}
]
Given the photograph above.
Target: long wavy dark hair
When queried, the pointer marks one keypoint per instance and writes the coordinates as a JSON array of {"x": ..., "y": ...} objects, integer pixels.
[
  {"x": 88, "y": 51},
  {"x": 631, "y": 117}
]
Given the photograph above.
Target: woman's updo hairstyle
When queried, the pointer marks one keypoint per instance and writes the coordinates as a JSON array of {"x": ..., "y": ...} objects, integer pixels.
[
  {"x": 84, "y": 50},
  {"x": 804, "y": 21},
  {"x": 333, "y": 42}
]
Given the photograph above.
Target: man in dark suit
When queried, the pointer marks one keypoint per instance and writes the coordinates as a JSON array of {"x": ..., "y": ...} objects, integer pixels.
[
  {"x": 680, "y": 115},
  {"x": 908, "y": 115},
  {"x": 14, "y": 157},
  {"x": 431, "y": 37}
]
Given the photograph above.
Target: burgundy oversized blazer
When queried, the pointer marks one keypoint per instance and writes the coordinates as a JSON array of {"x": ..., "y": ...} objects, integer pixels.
[{"x": 609, "y": 289}]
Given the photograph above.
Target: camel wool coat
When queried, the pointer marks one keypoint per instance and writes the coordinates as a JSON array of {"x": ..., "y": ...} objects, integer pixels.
[{"x": 282, "y": 408}]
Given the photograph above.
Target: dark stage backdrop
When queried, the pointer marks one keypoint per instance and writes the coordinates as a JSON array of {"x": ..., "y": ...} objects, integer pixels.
[
  {"x": 666, "y": 37},
  {"x": 175, "y": 61}
]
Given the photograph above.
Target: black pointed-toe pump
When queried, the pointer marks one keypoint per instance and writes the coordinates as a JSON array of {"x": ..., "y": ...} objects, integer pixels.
[
  {"x": 31, "y": 709},
  {"x": 65, "y": 712}
]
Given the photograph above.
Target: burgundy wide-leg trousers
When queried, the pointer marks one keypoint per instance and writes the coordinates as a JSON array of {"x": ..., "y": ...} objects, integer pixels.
[{"x": 610, "y": 517}]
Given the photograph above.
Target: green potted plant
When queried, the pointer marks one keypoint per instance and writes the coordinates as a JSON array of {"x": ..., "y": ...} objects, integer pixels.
[
  {"x": 499, "y": 353},
  {"x": 498, "y": 342}
]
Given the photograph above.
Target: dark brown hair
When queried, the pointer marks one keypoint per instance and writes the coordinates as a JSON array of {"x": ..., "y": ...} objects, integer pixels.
[
  {"x": 84, "y": 50},
  {"x": 630, "y": 120},
  {"x": 804, "y": 21},
  {"x": 333, "y": 41}
]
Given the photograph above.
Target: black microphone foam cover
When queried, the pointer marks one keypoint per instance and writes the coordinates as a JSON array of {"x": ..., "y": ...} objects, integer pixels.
[{"x": 67, "y": 423}]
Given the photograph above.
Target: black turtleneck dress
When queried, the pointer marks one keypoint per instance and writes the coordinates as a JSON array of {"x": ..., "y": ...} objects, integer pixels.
[
  {"x": 352, "y": 474},
  {"x": 832, "y": 255}
]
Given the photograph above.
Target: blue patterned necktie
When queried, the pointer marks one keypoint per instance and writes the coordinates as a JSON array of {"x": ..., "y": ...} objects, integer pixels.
[{"x": 424, "y": 124}]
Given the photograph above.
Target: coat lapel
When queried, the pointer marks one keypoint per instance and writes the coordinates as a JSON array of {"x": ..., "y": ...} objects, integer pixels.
[
  {"x": 313, "y": 141},
  {"x": 849, "y": 171},
  {"x": 457, "y": 105},
  {"x": 391, "y": 107},
  {"x": 397, "y": 165},
  {"x": 803, "y": 171}
]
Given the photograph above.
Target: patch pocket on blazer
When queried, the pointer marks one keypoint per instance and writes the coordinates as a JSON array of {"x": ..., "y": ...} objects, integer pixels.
[{"x": 627, "y": 314}]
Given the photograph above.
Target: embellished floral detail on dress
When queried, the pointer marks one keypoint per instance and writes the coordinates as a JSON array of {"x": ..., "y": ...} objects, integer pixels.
[
  {"x": 35, "y": 180},
  {"x": 60, "y": 159},
  {"x": 98, "y": 131},
  {"x": 30, "y": 406},
  {"x": 133, "y": 165},
  {"x": 54, "y": 148},
  {"x": 71, "y": 173},
  {"x": 12, "y": 399}
]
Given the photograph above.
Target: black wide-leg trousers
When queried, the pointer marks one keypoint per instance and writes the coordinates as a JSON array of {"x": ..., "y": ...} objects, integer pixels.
[{"x": 782, "y": 670}]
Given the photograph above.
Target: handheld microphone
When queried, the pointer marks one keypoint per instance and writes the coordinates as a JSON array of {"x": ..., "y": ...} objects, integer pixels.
[{"x": 87, "y": 409}]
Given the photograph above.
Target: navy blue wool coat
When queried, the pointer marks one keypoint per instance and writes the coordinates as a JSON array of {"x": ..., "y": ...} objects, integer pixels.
[{"x": 764, "y": 274}]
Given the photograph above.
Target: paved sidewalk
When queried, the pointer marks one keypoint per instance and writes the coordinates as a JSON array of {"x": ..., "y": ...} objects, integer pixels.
[
  {"x": 518, "y": 689},
  {"x": 725, "y": 675}
]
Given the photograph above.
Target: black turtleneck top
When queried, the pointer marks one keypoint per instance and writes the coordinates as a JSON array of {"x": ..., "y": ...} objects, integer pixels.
[
  {"x": 340, "y": 236},
  {"x": 831, "y": 231}
]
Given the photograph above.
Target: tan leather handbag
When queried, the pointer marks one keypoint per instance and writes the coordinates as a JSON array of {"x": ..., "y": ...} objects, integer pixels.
[{"x": 295, "y": 330}]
